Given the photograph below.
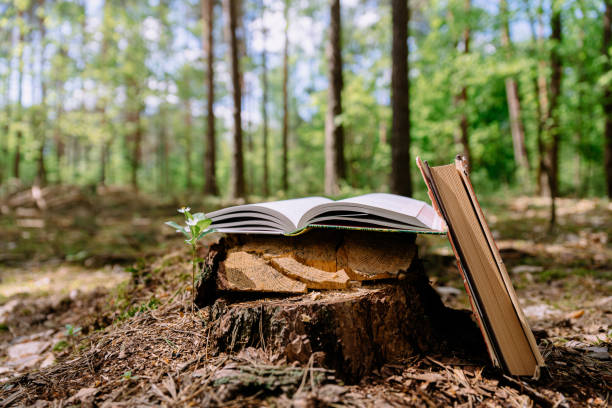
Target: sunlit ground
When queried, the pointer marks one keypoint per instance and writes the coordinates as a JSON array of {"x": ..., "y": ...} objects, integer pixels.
[
  {"x": 58, "y": 279},
  {"x": 76, "y": 273}
]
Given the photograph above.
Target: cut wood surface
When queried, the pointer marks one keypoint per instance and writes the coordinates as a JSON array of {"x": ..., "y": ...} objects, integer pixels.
[
  {"x": 318, "y": 259},
  {"x": 379, "y": 257},
  {"x": 314, "y": 278},
  {"x": 247, "y": 272}
]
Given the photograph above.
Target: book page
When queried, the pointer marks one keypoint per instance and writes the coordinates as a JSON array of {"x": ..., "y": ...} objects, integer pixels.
[
  {"x": 295, "y": 208},
  {"x": 394, "y": 208},
  {"x": 285, "y": 214},
  {"x": 391, "y": 202}
]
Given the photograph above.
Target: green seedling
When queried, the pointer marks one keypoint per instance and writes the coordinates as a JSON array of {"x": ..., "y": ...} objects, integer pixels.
[
  {"x": 72, "y": 331},
  {"x": 195, "y": 229},
  {"x": 60, "y": 345},
  {"x": 128, "y": 376}
]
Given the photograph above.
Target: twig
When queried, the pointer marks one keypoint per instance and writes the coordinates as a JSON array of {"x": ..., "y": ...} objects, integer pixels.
[
  {"x": 306, "y": 371},
  {"x": 261, "y": 337},
  {"x": 531, "y": 392}
]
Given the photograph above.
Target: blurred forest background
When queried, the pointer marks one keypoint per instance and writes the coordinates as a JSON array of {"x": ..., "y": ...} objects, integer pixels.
[
  {"x": 273, "y": 98},
  {"x": 113, "y": 113}
]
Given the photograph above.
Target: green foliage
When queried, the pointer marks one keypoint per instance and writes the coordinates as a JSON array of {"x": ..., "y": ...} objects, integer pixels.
[
  {"x": 72, "y": 331},
  {"x": 113, "y": 72},
  {"x": 152, "y": 304},
  {"x": 60, "y": 346},
  {"x": 127, "y": 376},
  {"x": 195, "y": 229}
]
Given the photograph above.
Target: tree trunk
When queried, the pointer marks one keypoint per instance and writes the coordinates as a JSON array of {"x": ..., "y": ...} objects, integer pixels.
[
  {"x": 210, "y": 178},
  {"x": 581, "y": 183},
  {"x": 136, "y": 145},
  {"x": 162, "y": 145},
  {"x": 607, "y": 96},
  {"x": 188, "y": 143},
  {"x": 59, "y": 143},
  {"x": 512, "y": 96},
  {"x": 104, "y": 153},
  {"x": 553, "y": 136},
  {"x": 41, "y": 171},
  {"x": 238, "y": 189},
  {"x": 285, "y": 135},
  {"x": 6, "y": 126},
  {"x": 334, "y": 129},
  {"x": 19, "y": 135},
  {"x": 541, "y": 88},
  {"x": 401, "y": 182},
  {"x": 352, "y": 328},
  {"x": 264, "y": 105},
  {"x": 462, "y": 99}
]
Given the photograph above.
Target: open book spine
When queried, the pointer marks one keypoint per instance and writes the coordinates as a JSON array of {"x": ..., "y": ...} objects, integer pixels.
[
  {"x": 479, "y": 312},
  {"x": 462, "y": 168}
]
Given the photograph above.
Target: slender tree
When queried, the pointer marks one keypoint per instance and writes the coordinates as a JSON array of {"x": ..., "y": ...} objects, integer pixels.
[
  {"x": 41, "y": 171},
  {"x": 401, "y": 182},
  {"x": 210, "y": 177},
  {"x": 19, "y": 133},
  {"x": 188, "y": 141},
  {"x": 607, "y": 94},
  {"x": 553, "y": 133},
  {"x": 264, "y": 102},
  {"x": 285, "y": 131},
  {"x": 540, "y": 84},
  {"x": 463, "y": 136},
  {"x": 60, "y": 145},
  {"x": 103, "y": 99},
  {"x": 135, "y": 54},
  {"x": 165, "y": 130},
  {"x": 512, "y": 96},
  {"x": 9, "y": 40},
  {"x": 134, "y": 118},
  {"x": 334, "y": 130},
  {"x": 238, "y": 185}
]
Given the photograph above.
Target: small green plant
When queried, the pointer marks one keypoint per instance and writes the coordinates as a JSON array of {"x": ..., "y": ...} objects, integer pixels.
[
  {"x": 128, "y": 376},
  {"x": 152, "y": 304},
  {"x": 72, "y": 331},
  {"x": 195, "y": 230},
  {"x": 60, "y": 345}
]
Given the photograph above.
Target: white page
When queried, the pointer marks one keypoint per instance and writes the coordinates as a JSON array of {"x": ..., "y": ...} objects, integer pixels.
[
  {"x": 391, "y": 202},
  {"x": 395, "y": 208},
  {"x": 294, "y": 209}
]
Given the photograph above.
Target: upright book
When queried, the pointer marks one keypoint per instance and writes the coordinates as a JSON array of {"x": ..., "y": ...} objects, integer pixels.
[{"x": 509, "y": 339}]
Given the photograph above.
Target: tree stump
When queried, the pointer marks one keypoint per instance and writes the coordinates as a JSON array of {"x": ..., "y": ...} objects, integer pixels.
[{"x": 352, "y": 300}]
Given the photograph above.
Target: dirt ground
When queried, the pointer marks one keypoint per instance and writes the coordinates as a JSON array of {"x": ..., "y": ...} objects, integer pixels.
[{"x": 95, "y": 311}]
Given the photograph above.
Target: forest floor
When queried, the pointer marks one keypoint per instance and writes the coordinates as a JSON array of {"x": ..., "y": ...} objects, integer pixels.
[{"x": 95, "y": 310}]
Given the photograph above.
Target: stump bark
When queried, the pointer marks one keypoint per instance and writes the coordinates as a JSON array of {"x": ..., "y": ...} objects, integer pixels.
[{"x": 351, "y": 300}]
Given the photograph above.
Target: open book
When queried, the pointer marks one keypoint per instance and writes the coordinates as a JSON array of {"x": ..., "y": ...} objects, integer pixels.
[{"x": 377, "y": 211}]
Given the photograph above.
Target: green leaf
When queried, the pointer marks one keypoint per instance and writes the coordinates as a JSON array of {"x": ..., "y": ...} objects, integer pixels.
[
  {"x": 204, "y": 223},
  {"x": 203, "y": 233},
  {"x": 173, "y": 225},
  {"x": 199, "y": 216},
  {"x": 177, "y": 227}
]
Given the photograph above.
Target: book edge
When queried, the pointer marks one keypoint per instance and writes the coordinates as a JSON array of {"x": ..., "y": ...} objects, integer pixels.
[
  {"x": 475, "y": 303},
  {"x": 462, "y": 169}
]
